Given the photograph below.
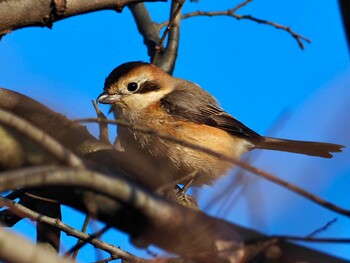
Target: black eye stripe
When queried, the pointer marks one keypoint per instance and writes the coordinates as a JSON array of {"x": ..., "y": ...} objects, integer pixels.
[{"x": 148, "y": 86}]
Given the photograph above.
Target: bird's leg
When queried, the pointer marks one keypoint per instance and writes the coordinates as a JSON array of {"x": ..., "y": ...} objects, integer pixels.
[{"x": 179, "y": 194}]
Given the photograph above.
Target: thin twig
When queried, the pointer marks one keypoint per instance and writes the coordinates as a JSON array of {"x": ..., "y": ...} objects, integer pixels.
[
  {"x": 79, "y": 245},
  {"x": 23, "y": 211},
  {"x": 313, "y": 239},
  {"x": 167, "y": 186},
  {"x": 231, "y": 13},
  {"x": 37, "y": 197},
  {"x": 239, "y": 6},
  {"x": 229, "y": 159},
  {"x": 102, "y": 126},
  {"x": 323, "y": 228},
  {"x": 83, "y": 229},
  {"x": 160, "y": 46}
]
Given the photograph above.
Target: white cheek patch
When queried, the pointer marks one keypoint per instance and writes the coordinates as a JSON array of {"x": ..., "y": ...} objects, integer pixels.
[{"x": 139, "y": 102}]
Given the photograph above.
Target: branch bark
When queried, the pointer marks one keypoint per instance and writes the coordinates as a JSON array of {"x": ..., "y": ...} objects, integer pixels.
[
  {"x": 25, "y": 13},
  {"x": 146, "y": 27},
  {"x": 165, "y": 57}
]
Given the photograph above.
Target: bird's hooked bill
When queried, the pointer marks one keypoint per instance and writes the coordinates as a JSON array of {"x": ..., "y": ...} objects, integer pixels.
[{"x": 105, "y": 98}]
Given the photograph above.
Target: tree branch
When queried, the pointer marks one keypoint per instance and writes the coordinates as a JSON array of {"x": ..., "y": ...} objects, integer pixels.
[
  {"x": 146, "y": 27},
  {"x": 165, "y": 58},
  {"x": 231, "y": 13},
  {"x": 25, "y": 13}
]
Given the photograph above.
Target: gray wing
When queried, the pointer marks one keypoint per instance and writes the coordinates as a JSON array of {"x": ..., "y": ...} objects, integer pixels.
[{"x": 196, "y": 105}]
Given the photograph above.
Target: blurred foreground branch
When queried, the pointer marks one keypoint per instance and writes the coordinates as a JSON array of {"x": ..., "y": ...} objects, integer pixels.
[{"x": 17, "y": 249}]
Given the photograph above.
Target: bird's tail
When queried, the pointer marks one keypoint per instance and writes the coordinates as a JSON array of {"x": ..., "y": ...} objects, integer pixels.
[{"x": 310, "y": 148}]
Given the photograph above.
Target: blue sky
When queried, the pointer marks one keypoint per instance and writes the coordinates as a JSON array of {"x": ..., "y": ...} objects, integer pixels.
[{"x": 255, "y": 71}]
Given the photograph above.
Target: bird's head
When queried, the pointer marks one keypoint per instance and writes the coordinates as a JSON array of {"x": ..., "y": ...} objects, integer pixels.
[{"x": 134, "y": 86}]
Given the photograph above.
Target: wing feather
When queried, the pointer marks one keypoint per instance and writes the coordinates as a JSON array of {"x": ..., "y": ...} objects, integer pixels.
[{"x": 196, "y": 105}]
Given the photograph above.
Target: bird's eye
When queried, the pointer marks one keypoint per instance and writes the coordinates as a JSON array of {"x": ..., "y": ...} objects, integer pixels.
[{"x": 132, "y": 86}]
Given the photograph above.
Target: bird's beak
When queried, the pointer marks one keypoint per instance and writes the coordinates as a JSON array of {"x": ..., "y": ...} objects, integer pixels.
[{"x": 105, "y": 98}]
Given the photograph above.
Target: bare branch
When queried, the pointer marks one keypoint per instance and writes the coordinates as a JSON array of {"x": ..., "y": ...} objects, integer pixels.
[
  {"x": 25, "y": 13},
  {"x": 146, "y": 27},
  {"x": 79, "y": 243},
  {"x": 242, "y": 164},
  {"x": 23, "y": 211},
  {"x": 165, "y": 58},
  {"x": 231, "y": 13}
]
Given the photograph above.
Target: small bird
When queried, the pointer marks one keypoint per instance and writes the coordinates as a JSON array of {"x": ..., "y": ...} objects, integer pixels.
[{"x": 144, "y": 95}]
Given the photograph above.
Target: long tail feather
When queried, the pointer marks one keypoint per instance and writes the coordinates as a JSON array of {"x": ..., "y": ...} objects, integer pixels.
[{"x": 310, "y": 148}]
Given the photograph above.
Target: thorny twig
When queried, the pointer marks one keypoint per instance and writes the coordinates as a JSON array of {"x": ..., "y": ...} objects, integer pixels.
[{"x": 231, "y": 13}]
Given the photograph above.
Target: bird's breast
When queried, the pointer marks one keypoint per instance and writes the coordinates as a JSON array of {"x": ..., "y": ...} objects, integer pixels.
[{"x": 175, "y": 159}]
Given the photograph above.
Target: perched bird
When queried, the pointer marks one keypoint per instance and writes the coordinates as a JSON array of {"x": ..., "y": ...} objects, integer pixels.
[{"x": 144, "y": 95}]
